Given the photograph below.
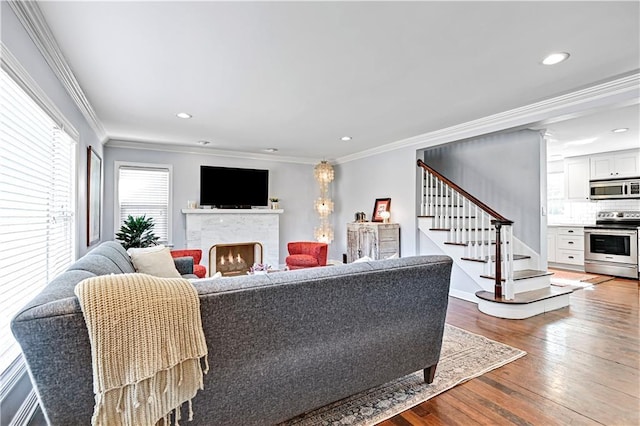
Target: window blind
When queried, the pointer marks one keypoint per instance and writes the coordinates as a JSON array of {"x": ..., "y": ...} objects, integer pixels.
[
  {"x": 37, "y": 205},
  {"x": 145, "y": 191}
]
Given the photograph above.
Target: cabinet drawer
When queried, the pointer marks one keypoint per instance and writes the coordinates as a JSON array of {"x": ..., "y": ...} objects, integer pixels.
[
  {"x": 570, "y": 230},
  {"x": 570, "y": 242},
  {"x": 573, "y": 257},
  {"x": 388, "y": 246}
]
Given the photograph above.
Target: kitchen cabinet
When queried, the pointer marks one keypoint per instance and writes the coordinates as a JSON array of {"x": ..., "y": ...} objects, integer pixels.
[
  {"x": 373, "y": 239},
  {"x": 551, "y": 244},
  {"x": 576, "y": 178},
  {"x": 615, "y": 165},
  {"x": 568, "y": 246}
]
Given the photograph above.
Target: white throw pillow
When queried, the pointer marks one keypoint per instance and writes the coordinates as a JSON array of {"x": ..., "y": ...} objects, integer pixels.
[
  {"x": 158, "y": 263},
  {"x": 363, "y": 259},
  {"x": 149, "y": 249},
  {"x": 393, "y": 256}
]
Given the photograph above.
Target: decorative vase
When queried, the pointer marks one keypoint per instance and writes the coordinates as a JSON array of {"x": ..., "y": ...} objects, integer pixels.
[{"x": 274, "y": 205}]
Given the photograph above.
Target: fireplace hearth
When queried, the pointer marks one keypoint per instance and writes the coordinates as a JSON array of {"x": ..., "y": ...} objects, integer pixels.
[{"x": 235, "y": 258}]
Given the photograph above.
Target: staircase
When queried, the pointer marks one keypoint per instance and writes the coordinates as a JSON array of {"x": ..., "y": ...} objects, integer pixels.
[{"x": 491, "y": 266}]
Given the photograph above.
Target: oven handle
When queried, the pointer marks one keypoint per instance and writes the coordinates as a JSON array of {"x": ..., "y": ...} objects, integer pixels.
[{"x": 610, "y": 232}]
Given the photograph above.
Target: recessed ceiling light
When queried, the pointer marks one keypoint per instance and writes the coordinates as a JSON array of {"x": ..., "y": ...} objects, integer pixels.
[
  {"x": 183, "y": 115},
  {"x": 345, "y": 138},
  {"x": 555, "y": 58},
  {"x": 204, "y": 142},
  {"x": 270, "y": 150},
  {"x": 620, "y": 130}
]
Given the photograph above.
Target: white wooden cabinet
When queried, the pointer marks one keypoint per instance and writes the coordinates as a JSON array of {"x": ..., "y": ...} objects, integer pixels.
[
  {"x": 576, "y": 178},
  {"x": 615, "y": 165},
  {"x": 568, "y": 243},
  {"x": 551, "y": 244},
  {"x": 373, "y": 239}
]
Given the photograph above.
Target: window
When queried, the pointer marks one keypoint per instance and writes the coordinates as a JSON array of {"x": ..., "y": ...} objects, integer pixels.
[
  {"x": 145, "y": 189},
  {"x": 555, "y": 194},
  {"x": 37, "y": 201}
]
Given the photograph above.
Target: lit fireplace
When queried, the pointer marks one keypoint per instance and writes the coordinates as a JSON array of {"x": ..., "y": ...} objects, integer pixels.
[{"x": 234, "y": 259}]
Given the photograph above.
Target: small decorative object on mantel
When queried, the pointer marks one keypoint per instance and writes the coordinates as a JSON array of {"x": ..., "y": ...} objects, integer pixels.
[
  {"x": 259, "y": 269},
  {"x": 381, "y": 205},
  {"x": 274, "y": 203}
]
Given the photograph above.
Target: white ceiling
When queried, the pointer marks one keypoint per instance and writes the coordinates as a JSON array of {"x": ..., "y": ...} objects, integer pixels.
[{"x": 297, "y": 76}]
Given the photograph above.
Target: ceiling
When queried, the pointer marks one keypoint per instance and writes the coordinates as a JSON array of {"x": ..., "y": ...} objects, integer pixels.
[{"x": 297, "y": 76}]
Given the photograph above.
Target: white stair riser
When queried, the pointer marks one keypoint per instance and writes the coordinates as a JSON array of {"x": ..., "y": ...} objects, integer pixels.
[{"x": 513, "y": 311}]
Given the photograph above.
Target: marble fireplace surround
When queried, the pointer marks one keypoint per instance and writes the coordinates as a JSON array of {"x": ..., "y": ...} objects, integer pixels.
[{"x": 207, "y": 227}]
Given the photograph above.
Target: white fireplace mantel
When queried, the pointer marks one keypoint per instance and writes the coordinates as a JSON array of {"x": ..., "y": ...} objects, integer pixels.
[{"x": 207, "y": 227}]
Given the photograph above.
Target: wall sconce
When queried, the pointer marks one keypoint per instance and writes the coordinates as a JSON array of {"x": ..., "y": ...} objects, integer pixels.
[{"x": 324, "y": 174}]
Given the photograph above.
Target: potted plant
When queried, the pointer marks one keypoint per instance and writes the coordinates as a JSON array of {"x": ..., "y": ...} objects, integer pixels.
[
  {"x": 137, "y": 232},
  {"x": 274, "y": 202}
]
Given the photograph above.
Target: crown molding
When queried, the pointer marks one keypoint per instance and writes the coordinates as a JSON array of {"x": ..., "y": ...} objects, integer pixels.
[
  {"x": 30, "y": 15},
  {"x": 186, "y": 149},
  {"x": 621, "y": 90}
]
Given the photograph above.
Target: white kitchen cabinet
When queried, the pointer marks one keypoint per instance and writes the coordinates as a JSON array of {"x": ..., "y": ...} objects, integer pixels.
[
  {"x": 373, "y": 239},
  {"x": 615, "y": 165},
  {"x": 576, "y": 178},
  {"x": 551, "y": 244},
  {"x": 568, "y": 246}
]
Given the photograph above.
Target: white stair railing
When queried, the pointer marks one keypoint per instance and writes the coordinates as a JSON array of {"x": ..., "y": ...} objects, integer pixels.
[{"x": 471, "y": 223}]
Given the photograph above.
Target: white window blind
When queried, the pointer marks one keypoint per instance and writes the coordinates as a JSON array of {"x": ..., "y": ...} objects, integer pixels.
[
  {"x": 145, "y": 191},
  {"x": 37, "y": 205}
]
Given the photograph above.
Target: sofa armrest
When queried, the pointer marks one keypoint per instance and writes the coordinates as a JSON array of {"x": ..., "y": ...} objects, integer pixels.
[{"x": 184, "y": 265}]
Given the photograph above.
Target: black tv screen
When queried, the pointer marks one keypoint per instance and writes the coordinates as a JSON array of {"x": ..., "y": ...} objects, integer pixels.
[{"x": 227, "y": 187}]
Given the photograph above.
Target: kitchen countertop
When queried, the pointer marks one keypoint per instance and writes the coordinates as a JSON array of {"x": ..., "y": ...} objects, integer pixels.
[{"x": 570, "y": 225}]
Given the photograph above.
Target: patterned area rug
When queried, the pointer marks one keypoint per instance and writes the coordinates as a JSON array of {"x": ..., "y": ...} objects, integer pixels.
[{"x": 464, "y": 356}]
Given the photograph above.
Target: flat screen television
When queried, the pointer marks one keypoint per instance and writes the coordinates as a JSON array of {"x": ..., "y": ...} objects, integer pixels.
[{"x": 228, "y": 187}]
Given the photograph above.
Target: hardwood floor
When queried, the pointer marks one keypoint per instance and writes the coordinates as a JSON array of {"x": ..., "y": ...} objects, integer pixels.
[{"x": 581, "y": 368}]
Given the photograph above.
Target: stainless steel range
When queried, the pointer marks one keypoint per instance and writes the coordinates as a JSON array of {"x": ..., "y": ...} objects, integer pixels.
[{"x": 611, "y": 246}]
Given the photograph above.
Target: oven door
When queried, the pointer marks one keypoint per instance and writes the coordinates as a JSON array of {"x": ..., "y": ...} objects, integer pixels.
[{"x": 611, "y": 245}]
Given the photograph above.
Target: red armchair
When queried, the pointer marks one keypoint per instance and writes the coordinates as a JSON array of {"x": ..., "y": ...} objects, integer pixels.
[
  {"x": 306, "y": 254},
  {"x": 198, "y": 270}
]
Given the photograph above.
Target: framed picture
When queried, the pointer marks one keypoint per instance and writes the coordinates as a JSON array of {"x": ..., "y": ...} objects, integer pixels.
[
  {"x": 381, "y": 205},
  {"x": 94, "y": 192}
]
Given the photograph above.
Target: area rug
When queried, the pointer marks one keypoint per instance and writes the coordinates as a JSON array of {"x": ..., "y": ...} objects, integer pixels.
[
  {"x": 561, "y": 278},
  {"x": 464, "y": 356}
]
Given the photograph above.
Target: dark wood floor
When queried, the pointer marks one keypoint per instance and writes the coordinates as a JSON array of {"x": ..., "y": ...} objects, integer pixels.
[{"x": 582, "y": 366}]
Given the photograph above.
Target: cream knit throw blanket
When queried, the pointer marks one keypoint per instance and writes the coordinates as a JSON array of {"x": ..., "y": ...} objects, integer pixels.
[{"x": 146, "y": 347}]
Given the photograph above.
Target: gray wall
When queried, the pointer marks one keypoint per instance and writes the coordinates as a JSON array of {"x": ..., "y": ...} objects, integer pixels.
[
  {"x": 503, "y": 171},
  {"x": 292, "y": 183},
  {"x": 19, "y": 43}
]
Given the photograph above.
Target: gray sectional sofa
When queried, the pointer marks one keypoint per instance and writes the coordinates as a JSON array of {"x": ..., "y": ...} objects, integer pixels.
[{"x": 279, "y": 344}]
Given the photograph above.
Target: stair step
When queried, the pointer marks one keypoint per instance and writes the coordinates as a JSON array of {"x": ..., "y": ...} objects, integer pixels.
[
  {"x": 493, "y": 258},
  {"x": 523, "y": 274},
  {"x": 466, "y": 229},
  {"x": 527, "y": 296},
  {"x": 470, "y": 243}
]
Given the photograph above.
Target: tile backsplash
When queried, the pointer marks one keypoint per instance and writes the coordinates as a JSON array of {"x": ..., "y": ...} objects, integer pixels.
[{"x": 584, "y": 212}]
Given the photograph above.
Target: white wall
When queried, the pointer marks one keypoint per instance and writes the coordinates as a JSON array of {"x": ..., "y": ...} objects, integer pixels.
[
  {"x": 292, "y": 183},
  {"x": 19, "y": 43},
  {"x": 359, "y": 182}
]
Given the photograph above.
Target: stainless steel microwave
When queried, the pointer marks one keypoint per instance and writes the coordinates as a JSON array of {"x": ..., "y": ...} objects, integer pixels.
[{"x": 614, "y": 189}]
